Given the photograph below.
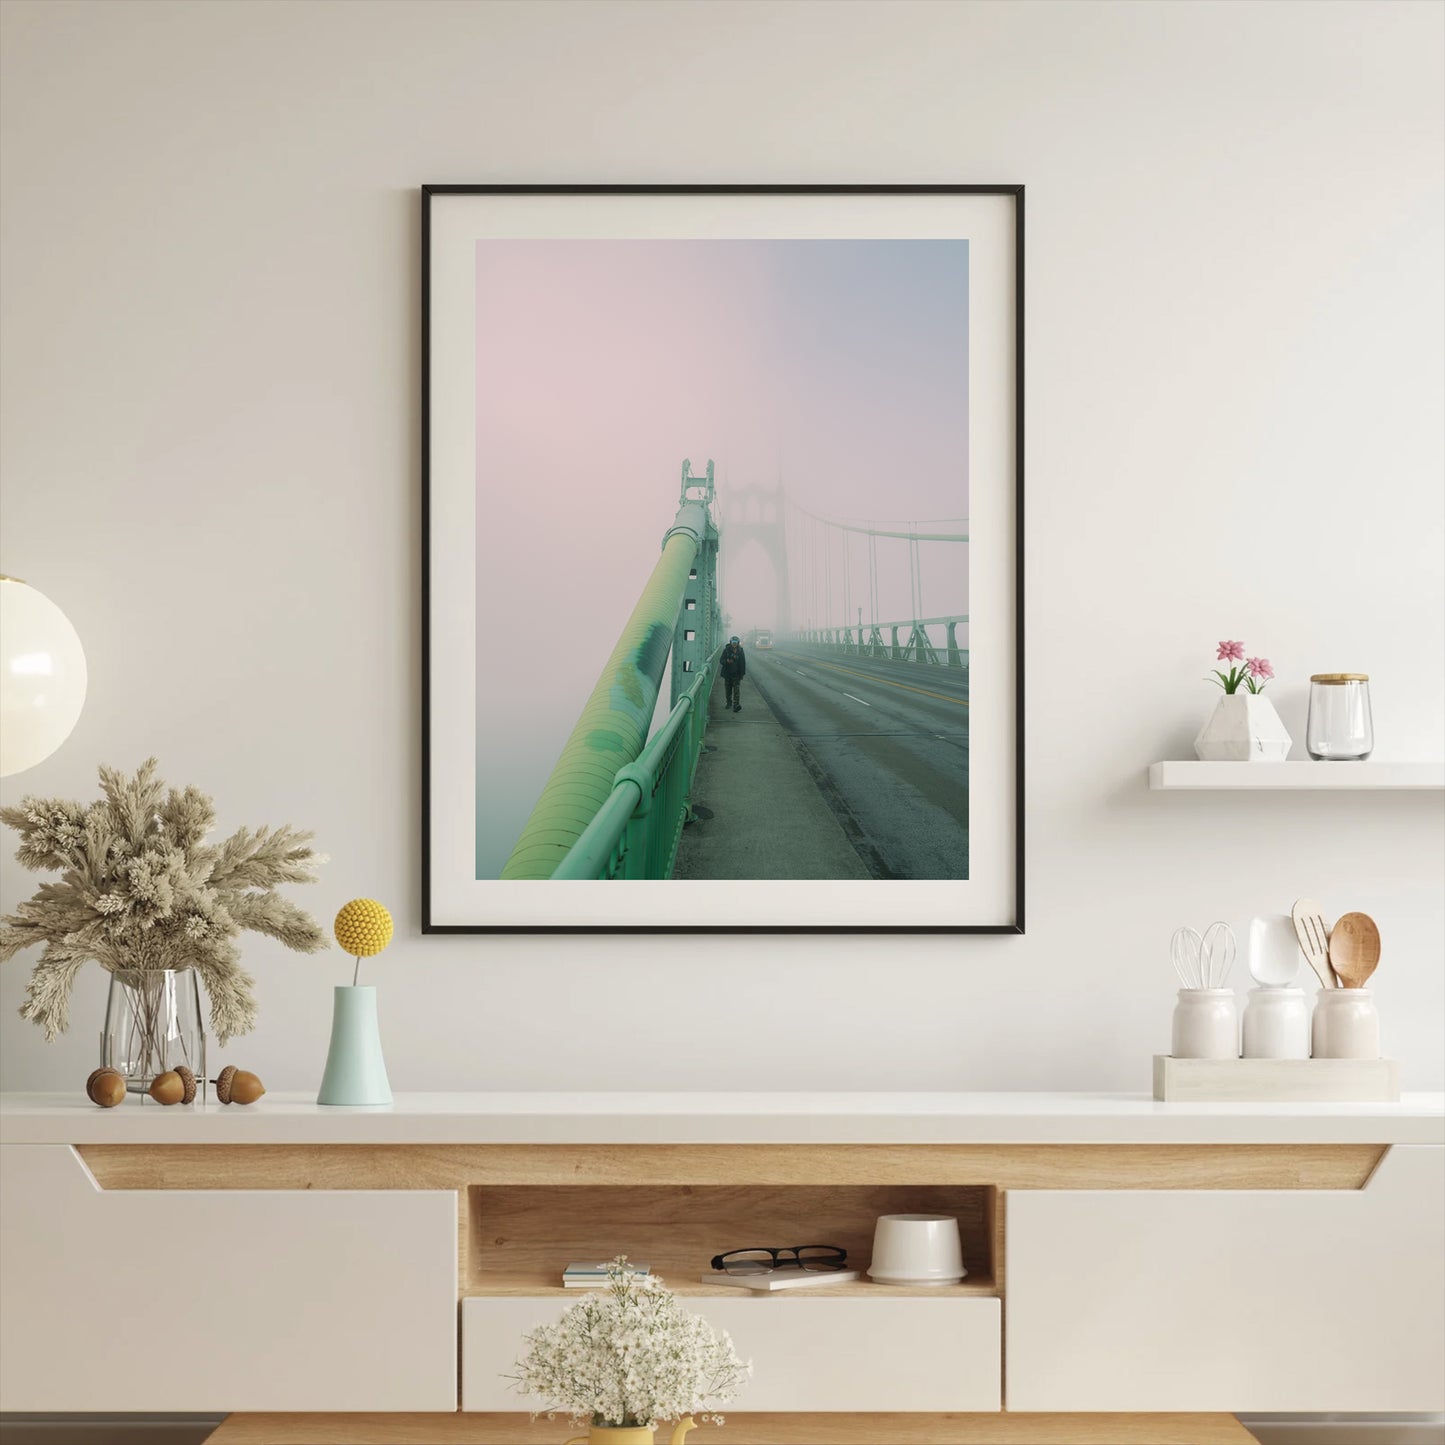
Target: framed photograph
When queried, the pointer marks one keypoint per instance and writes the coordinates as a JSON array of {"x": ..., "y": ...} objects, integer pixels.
[{"x": 723, "y": 607}]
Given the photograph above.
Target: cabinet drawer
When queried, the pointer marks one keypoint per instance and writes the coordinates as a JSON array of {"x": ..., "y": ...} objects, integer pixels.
[
  {"x": 899, "y": 1353},
  {"x": 272, "y": 1300},
  {"x": 1231, "y": 1300}
]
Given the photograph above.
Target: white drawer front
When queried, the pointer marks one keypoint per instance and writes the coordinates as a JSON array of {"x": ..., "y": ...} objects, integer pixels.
[
  {"x": 227, "y": 1300},
  {"x": 888, "y": 1353},
  {"x": 1232, "y": 1300}
]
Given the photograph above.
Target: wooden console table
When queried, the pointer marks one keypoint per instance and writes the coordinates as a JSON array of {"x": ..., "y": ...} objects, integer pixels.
[{"x": 1137, "y": 1271}]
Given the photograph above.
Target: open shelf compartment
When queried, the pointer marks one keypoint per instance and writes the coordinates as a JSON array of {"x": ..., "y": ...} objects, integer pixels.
[{"x": 523, "y": 1236}]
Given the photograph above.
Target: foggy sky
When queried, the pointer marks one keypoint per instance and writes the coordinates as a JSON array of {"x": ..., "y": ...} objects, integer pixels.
[{"x": 836, "y": 367}]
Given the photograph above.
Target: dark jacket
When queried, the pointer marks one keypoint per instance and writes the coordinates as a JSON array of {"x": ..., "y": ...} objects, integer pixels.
[{"x": 734, "y": 660}]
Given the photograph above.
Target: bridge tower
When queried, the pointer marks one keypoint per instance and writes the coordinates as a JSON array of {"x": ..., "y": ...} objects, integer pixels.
[
  {"x": 755, "y": 514},
  {"x": 699, "y": 622}
]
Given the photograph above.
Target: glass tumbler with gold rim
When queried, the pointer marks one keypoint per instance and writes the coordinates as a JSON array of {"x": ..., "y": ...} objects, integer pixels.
[{"x": 1340, "y": 727}]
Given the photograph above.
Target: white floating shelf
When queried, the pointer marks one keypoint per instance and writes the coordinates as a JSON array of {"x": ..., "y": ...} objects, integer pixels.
[{"x": 1311, "y": 776}]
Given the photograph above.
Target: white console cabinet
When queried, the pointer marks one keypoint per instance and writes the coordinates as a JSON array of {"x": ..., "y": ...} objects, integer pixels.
[
  {"x": 199, "y": 1301},
  {"x": 823, "y": 1355},
  {"x": 1139, "y": 1269},
  {"x": 1249, "y": 1301}
]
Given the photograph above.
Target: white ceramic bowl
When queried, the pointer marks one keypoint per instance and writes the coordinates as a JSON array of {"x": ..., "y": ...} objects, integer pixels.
[{"x": 917, "y": 1249}]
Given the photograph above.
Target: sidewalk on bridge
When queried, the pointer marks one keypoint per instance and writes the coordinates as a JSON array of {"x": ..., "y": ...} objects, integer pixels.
[{"x": 759, "y": 814}]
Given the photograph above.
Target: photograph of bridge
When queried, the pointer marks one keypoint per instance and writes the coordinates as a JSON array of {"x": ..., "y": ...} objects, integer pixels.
[{"x": 819, "y": 389}]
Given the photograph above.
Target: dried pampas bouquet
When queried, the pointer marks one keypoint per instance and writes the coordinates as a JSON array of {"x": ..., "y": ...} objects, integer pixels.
[{"x": 140, "y": 889}]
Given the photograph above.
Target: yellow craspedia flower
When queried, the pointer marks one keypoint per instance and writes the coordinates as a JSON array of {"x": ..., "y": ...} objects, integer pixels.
[{"x": 363, "y": 927}]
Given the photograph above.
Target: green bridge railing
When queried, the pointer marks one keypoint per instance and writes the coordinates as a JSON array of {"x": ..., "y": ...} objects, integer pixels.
[
  {"x": 636, "y": 831},
  {"x": 616, "y": 801},
  {"x": 867, "y": 640}
]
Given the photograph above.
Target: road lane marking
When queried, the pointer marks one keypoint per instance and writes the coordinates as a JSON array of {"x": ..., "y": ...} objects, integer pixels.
[
  {"x": 873, "y": 677},
  {"x": 800, "y": 672},
  {"x": 858, "y": 699}
]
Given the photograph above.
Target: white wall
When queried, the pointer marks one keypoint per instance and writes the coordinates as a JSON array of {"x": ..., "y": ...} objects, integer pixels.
[{"x": 210, "y": 459}]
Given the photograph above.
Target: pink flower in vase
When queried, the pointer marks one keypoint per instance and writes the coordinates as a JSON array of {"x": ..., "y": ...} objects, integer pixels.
[
  {"x": 1240, "y": 676},
  {"x": 1259, "y": 667}
]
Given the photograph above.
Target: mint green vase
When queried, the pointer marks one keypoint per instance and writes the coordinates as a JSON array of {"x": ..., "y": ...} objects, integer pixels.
[{"x": 355, "y": 1070}]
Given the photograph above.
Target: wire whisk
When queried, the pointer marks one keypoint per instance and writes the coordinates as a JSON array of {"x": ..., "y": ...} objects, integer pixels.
[{"x": 1203, "y": 962}]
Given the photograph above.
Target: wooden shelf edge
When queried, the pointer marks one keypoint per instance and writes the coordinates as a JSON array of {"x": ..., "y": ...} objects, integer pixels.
[
  {"x": 902, "y": 1428},
  {"x": 1185, "y": 775},
  {"x": 983, "y": 1287}
]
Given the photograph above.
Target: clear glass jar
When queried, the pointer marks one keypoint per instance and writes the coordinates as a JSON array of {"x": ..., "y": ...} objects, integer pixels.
[
  {"x": 1340, "y": 727},
  {"x": 153, "y": 1022}
]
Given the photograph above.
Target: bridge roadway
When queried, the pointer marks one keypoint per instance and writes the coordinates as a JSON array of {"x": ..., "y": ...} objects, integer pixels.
[{"x": 886, "y": 747}]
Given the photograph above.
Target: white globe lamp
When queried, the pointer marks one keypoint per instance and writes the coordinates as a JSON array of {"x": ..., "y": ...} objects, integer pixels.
[{"x": 42, "y": 676}]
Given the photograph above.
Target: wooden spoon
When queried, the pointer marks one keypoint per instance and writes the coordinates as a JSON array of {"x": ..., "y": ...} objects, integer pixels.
[
  {"x": 1314, "y": 939},
  {"x": 1354, "y": 949}
]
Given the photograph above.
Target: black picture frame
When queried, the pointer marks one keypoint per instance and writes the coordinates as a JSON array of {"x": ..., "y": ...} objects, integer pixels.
[{"x": 439, "y": 920}]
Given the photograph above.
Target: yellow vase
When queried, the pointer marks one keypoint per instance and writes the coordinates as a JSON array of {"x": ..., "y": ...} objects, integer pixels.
[{"x": 631, "y": 1434}]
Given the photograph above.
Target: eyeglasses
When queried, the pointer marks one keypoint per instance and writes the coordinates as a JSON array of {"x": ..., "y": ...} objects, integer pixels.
[{"x": 820, "y": 1257}]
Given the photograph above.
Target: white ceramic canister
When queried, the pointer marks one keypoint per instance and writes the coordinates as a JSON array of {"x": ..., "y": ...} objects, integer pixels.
[
  {"x": 1206, "y": 1024},
  {"x": 1346, "y": 1024},
  {"x": 1276, "y": 1024},
  {"x": 917, "y": 1249}
]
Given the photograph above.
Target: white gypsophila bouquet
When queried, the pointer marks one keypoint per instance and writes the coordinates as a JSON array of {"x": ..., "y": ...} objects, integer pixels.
[{"x": 629, "y": 1354}]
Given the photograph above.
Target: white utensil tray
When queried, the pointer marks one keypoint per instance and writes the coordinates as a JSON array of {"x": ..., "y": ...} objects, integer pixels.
[{"x": 1272, "y": 1081}]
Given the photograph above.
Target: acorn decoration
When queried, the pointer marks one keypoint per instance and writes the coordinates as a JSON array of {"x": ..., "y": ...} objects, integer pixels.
[
  {"x": 106, "y": 1087},
  {"x": 238, "y": 1086},
  {"x": 363, "y": 928},
  {"x": 174, "y": 1086}
]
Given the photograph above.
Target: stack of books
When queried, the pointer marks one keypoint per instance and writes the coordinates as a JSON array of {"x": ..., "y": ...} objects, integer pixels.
[
  {"x": 786, "y": 1276},
  {"x": 594, "y": 1276}
]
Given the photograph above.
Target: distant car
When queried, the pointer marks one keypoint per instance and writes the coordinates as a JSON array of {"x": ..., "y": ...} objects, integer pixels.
[{"x": 765, "y": 639}]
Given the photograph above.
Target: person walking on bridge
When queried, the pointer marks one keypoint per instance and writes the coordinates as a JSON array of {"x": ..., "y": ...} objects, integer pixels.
[{"x": 734, "y": 668}]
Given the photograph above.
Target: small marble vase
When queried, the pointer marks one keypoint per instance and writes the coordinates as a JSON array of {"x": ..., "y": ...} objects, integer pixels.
[
  {"x": 1243, "y": 728},
  {"x": 355, "y": 1070}
]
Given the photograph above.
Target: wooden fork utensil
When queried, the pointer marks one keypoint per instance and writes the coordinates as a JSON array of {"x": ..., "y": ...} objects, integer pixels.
[{"x": 1314, "y": 939}]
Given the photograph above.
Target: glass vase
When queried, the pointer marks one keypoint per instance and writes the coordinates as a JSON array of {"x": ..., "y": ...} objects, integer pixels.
[{"x": 153, "y": 1022}]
